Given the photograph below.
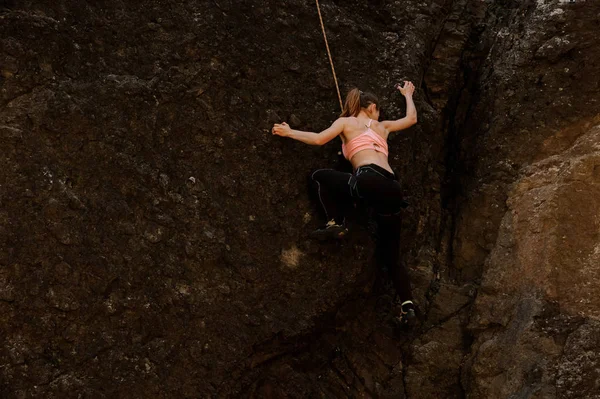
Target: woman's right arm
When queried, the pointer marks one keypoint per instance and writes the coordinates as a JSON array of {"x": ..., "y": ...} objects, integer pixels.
[
  {"x": 284, "y": 130},
  {"x": 411, "y": 112}
]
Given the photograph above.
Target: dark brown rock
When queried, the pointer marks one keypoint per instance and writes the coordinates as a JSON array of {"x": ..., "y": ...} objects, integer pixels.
[{"x": 153, "y": 233}]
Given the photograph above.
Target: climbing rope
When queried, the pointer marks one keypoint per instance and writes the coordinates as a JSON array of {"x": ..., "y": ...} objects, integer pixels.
[{"x": 329, "y": 54}]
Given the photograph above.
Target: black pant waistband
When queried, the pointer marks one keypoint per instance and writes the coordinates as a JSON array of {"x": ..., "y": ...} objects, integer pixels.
[{"x": 376, "y": 168}]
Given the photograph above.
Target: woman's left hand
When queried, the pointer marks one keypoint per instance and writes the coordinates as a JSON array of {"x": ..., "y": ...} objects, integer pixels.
[{"x": 282, "y": 129}]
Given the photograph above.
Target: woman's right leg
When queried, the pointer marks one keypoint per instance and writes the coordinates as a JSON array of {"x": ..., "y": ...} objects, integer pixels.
[
  {"x": 388, "y": 250},
  {"x": 332, "y": 192},
  {"x": 381, "y": 191}
]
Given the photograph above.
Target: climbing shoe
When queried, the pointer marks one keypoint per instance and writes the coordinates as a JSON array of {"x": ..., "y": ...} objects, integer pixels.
[
  {"x": 332, "y": 230},
  {"x": 408, "y": 316}
]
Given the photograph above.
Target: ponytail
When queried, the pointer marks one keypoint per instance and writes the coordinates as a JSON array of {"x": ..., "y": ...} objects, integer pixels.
[
  {"x": 352, "y": 104},
  {"x": 356, "y": 100}
]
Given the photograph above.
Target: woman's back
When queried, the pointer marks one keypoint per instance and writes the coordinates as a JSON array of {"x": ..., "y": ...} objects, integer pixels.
[
  {"x": 355, "y": 126},
  {"x": 364, "y": 142}
]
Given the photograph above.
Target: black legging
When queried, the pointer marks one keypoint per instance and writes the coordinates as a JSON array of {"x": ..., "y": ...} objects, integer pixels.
[{"x": 379, "y": 189}]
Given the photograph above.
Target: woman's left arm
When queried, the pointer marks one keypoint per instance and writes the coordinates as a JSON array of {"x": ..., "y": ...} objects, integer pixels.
[{"x": 284, "y": 130}]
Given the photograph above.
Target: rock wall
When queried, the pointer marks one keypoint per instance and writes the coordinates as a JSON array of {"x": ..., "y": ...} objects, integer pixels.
[
  {"x": 535, "y": 176},
  {"x": 154, "y": 233}
]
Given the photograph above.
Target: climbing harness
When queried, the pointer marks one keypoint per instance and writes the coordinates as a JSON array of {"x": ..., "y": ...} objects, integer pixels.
[{"x": 329, "y": 54}]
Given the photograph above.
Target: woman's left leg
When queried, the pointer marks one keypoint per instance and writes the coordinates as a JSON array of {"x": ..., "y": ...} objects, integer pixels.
[{"x": 333, "y": 194}]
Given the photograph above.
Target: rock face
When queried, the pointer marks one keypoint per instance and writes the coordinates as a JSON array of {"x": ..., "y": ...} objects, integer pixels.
[
  {"x": 538, "y": 306},
  {"x": 153, "y": 233},
  {"x": 531, "y": 199}
]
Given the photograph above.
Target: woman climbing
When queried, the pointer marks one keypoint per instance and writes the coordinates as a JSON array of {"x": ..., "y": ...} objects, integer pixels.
[{"x": 364, "y": 144}]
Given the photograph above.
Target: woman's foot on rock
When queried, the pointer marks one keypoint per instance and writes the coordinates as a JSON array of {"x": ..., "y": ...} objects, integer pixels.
[{"x": 332, "y": 230}]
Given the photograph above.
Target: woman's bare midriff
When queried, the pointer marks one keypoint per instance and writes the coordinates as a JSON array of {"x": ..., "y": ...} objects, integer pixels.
[{"x": 366, "y": 157}]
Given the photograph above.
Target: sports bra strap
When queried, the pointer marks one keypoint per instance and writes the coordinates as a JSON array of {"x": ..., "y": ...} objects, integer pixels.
[{"x": 369, "y": 124}]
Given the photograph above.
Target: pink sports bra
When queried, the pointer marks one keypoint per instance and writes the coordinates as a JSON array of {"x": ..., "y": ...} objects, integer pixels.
[{"x": 369, "y": 140}]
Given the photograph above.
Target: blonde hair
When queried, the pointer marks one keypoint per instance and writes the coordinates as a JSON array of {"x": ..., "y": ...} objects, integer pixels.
[{"x": 356, "y": 100}]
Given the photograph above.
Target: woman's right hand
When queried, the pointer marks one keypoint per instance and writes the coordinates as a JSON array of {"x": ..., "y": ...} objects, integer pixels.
[{"x": 408, "y": 89}]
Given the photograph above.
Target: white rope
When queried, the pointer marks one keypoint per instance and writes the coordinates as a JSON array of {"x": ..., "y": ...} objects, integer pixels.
[{"x": 329, "y": 54}]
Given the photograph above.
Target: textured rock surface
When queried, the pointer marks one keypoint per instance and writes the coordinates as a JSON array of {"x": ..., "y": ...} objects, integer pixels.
[
  {"x": 538, "y": 304},
  {"x": 534, "y": 173},
  {"x": 153, "y": 233}
]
